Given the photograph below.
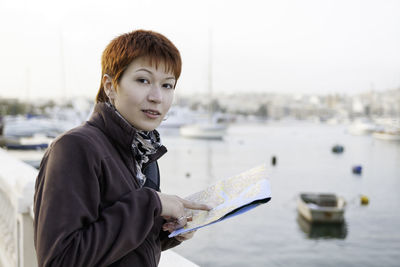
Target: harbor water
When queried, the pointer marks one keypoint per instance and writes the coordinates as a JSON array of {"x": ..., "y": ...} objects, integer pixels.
[{"x": 274, "y": 234}]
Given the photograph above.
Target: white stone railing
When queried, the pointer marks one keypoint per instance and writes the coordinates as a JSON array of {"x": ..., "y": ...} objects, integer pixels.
[
  {"x": 17, "y": 184},
  {"x": 17, "y": 181}
]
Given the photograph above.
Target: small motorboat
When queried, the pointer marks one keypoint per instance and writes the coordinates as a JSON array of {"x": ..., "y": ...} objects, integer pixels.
[
  {"x": 34, "y": 142},
  {"x": 322, "y": 208},
  {"x": 390, "y": 135},
  {"x": 337, "y": 149},
  {"x": 204, "y": 131},
  {"x": 357, "y": 169},
  {"x": 322, "y": 230},
  {"x": 362, "y": 127}
]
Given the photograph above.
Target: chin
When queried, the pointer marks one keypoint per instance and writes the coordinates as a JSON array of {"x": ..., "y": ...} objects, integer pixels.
[{"x": 147, "y": 126}]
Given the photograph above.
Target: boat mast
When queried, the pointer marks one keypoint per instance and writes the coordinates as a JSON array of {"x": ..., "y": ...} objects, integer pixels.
[
  {"x": 62, "y": 66},
  {"x": 210, "y": 70}
]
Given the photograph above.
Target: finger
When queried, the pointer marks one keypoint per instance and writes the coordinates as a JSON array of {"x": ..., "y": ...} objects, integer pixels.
[
  {"x": 195, "y": 206},
  {"x": 187, "y": 235},
  {"x": 171, "y": 224},
  {"x": 181, "y": 221},
  {"x": 168, "y": 228},
  {"x": 180, "y": 238},
  {"x": 176, "y": 224}
]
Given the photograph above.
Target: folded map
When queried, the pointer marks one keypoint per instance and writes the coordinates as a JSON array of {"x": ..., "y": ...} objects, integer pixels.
[{"x": 229, "y": 197}]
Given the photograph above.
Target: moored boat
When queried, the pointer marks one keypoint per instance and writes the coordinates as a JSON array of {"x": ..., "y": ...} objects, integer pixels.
[
  {"x": 204, "y": 131},
  {"x": 36, "y": 141},
  {"x": 324, "y": 208},
  {"x": 178, "y": 117},
  {"x": 337, "y": 149},
  {"x": 391, "y": 135},
  {"x": 362, "y": 127},
  {"x": 211, "y": 129},
  {"x": 322, "y": 230}
]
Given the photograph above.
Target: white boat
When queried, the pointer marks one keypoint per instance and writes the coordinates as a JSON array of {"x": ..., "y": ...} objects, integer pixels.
[
  {"x": 322, "y": 230},
  {"x": 36, "y": 141},
  {"x": 210, "y": 129},
  {"x": 177, "y": 117},
  {"x": 32, "y": 157},
  {"x": 390, "y": 135},
  {"x": 323, "y": 208},
  {"x": 362, "y": 127},
  {"x": 22, "y": 127},
  {"x": 204, "y": 131},
  {"x": 29, "y": 133}
]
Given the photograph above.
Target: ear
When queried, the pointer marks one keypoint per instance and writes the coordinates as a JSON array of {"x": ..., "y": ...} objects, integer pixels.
[{"x": 109, "y": 87}]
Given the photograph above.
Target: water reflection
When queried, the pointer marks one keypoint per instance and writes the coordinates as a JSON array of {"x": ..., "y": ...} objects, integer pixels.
[{"x": 322, "y": 230}]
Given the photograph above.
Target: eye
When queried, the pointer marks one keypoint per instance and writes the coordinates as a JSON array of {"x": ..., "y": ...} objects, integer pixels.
[
  {"x": 168, "y": 86},
  {"x": 143, "y": 80}
]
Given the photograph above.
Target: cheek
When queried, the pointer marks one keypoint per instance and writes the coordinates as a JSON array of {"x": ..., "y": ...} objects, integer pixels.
[
  {"x": 132, "y": 98},
  {"x": 168, "y": 99}
]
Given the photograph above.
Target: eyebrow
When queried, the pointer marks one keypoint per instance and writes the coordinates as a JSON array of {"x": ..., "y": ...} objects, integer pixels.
[{"x": 146, "y": 70}]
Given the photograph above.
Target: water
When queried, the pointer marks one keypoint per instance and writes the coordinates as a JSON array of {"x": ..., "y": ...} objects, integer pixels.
[{"x": 273, "y": 234}]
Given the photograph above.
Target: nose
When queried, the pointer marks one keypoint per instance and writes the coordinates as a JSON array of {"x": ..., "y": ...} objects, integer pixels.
[{"x": 155, "y": 94}]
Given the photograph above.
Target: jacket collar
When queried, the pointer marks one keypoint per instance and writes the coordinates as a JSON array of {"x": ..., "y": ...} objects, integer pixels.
[{"x": 115, "y": 127}]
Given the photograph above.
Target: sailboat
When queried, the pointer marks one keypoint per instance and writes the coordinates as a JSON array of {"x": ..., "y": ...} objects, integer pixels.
[
  {"x": 210, "y": 129},
  {"x": 204, "y": 131},
  {"x": 391, "y": 134}
]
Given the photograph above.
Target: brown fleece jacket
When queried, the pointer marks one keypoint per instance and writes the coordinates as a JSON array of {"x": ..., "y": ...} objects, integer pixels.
[{"x": 89, "y": 208}]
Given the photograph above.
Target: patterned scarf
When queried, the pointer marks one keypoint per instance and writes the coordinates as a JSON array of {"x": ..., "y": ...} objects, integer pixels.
[{"x": 145, "y": 144}]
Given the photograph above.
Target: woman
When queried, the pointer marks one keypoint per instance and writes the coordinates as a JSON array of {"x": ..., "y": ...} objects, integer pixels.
[{"x": 97, "y": 199}]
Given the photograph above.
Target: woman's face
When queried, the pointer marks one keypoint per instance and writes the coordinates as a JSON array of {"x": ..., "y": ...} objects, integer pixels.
[{"x": 144, "y": 94}]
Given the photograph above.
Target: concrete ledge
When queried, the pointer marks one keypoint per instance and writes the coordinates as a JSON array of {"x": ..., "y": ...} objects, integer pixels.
[
  {"x": 170, "y": 258},
  {"x": 17, "y": 180}
]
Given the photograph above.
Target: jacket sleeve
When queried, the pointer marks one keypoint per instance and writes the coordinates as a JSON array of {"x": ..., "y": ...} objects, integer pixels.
[
  {"x": 166, "y": 242},
  {"x": 70, "y": 228}
]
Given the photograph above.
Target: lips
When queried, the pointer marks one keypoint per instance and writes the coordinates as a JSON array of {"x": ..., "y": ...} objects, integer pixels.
[{"x": 151, "y": 112}]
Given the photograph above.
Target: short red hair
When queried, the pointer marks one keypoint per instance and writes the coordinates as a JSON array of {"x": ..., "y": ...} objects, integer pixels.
[{"x": 122, "y": 50}]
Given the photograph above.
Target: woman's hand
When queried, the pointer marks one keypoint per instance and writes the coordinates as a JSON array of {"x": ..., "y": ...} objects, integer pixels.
[
  {"x": 186, "y": 236},
  {"x": 173, "y": 207}
]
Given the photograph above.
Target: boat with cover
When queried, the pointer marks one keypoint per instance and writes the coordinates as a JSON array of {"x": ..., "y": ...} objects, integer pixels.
[
  {"x": 36, "y": 141},
  {"x": 388, "y": 134},
  {"x": 204, "y": 131},
  {"x": 362, "y": 127},
  {"x": 322, "y": 208}
]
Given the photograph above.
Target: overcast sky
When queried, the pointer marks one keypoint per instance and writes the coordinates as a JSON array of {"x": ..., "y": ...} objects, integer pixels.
[{"x": 52, "y": 48}]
